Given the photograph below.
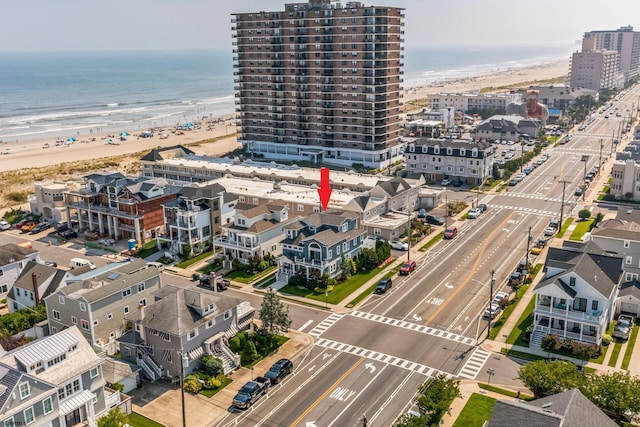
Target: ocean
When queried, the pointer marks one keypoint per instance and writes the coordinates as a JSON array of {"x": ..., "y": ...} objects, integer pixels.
[{"x": 70, "y": 94}]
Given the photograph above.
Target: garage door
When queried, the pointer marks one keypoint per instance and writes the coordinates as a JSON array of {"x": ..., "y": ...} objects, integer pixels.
[{"x": 628, "y": 307}]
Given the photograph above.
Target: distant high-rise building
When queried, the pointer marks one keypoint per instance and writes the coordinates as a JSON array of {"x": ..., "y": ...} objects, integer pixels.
[
  {"x": 595, "y": 70},
  {"x": 624, "y": 40},
  {"x": 321, "y": 82}
]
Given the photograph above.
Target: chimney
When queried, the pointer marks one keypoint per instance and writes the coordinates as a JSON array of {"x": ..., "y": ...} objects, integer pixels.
[{"x": 36, "y": 291}]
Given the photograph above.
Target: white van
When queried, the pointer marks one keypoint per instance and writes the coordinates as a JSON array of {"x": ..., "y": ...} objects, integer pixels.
[
  {"x": 4, "y": 225},
  {"x": 81, "y": 262}
]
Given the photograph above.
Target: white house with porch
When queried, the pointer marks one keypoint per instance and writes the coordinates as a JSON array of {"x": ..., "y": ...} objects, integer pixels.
[{"x": 576, "y": 298}]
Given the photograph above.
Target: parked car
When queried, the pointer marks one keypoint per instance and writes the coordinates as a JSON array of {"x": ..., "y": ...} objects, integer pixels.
[
  {"x": 623, "y": 327},
  {"x": 279, "y": 370},
  {"x": 554, "y": 223},
  {"x": 483, "y": 208},
  {"x": 451, "y": 232},
  {"x": 578, "y": 192},
  {"x": 539, "y": 246},
  {"x": 512, "y": 182},
  {"x": 221, "y": 284},
  {"x": 549, "y": 231},
  {"x": 67, "y": 234},
  {"x": 251, "y": 392},
  {"x": 26, "y": 228},
  {"x": 500, "y": 297},
  {"x": 445, "y": 182},
  {"x": 457, "y": 183},
  {"x": 492, "y": 311},
  {"x": 407, "y": 267},
  {"x": 422, "y": 213},
  {"x": 4, "y": 225},
  {"x": 434, "y": 219},
  {"x": 473, "y": 213},
  {"x": 383, "y": 286},
  {"x": 399, "y": 245},
  {"x": 516, "y": 279}
]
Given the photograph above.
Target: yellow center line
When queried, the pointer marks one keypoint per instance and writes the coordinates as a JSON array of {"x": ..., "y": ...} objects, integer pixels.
[
  {"x": 471, "y": 271},
  {"x": 326, "y": 393}
]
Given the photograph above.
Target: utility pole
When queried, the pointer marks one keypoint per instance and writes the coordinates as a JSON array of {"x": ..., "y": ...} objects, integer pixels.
[
  {"x": 600, "y": 160},
  {"x": 527, "y": 254},
  {"x": 493, "y": 281},
  {"x": 564, "y": 184},
  {"x": 446, "y": 209},
  {"x": 408, "y": 228},
  {"x": 521, "y": 156}
]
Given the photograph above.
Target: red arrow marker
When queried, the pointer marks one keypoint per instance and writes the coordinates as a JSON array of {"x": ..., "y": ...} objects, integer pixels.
[{"x": 325, "y": 188}]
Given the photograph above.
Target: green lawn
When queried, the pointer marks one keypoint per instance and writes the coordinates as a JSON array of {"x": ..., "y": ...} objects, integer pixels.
[
  {"x": 632, "y": 341},
  {"x": 212, "y": 392},
  {"x": 340, "y": 292},
  {"x": 136, "y": 420},
  {"x": 614, "y": 354},
  {"x": 582, "y": 227},
  {"x": 521, "y": 326},
  {"x": 564, "y": 227},
  {"x": 476, "y": 412},
  {"x": 244, "y": 277},
  {"x": 504, "y": 391},
  {"x": 186, "y": 263},
  {"x": 432, "y": 242},
  {"x": 498, "y": 324}
]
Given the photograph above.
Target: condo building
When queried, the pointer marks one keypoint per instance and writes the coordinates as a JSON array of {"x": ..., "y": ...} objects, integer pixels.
[
  {"x": 624, "y": 40},
  {"x": 320, "y": 82}
]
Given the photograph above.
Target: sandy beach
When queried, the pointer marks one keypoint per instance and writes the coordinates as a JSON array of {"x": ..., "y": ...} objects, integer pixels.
[{"x": 43, "y": 152}]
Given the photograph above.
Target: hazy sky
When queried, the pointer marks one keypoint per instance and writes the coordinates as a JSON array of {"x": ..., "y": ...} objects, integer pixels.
[{"x": 72, "y": 25}]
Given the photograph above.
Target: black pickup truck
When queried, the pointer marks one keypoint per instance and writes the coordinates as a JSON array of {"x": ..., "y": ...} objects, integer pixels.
[
  {"x": 251, "y": 392},
  {"x": 221, "y": 284}
]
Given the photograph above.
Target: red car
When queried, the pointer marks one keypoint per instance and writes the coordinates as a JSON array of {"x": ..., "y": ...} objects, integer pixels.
[
  {"x": 407, "y": 267},
  {"x": 450, "y": 232}
]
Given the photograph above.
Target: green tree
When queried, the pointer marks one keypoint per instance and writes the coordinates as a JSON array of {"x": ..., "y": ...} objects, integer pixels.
[
  {"x": 114, "y": 418},
  {"x": 544, "y": 377},
  {"x": 584, "y": 351},
  {"x": 346, "y": 268},
  {"x": 274, "y": 315},
  {"x": 616, "y": 393},
  {"x": 249, "y": 352},
  {"x": 212, "y": 365},
  {"x": 435, "y": 397},
  {"x": 192, "y": 384},
  {"x": 584, "y": 214}
]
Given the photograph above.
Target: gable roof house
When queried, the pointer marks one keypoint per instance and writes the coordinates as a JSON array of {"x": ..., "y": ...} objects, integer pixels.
[
  {"x": 184, "y": 323},
  {"x": 317, "y": 244},
  {"x": 567, "y": 409},
  {"x": 576, "y": 299},
  {"x": 13, "y": 258},
  {"x": 113, "y": 205},
  {"x": 26, "y": 400},
  {"x": 67, "y": 365},
  {"x": 35, "y": 282},
  {"x": 98, "y": 305},
  {"x": 255, "y": 230}
]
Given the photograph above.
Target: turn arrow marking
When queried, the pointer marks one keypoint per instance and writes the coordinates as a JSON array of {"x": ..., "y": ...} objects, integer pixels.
[{"x": 370, "y": 366}]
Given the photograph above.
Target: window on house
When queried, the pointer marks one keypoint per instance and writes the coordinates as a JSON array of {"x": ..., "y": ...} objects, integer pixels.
[
  {"x": 594, "y": 305},
  {"x": 627, "y": 243},
  {"x": 95, "y": 323},
  {"x": 24, "y": 390},
  {"x": 56, "y": 314},
  {"x": 29, "y": 417},
  {"x": 127, "y": 351},
  {"x": 572, "y": 281},
  {"x": 193, "y": 333},
  {"x": 142, "y": 302},
  {"x": 94, "y": 372},
  {"x": 126, "y": 292},
  {"x": 74, "y": 320},
  {"x": 210, "y": 323},
  {"x": 580, "y": 304},
  {"x": 47, "y": 405},
  {"x": 60, "y": 299},
  {"x": 110, "y": 316},
  {"x": 126, "y": 310},
  {"x": 140, "y": 287},
  {"x": 83, "y": 306},
  {"x": 3, "y": 288},
  {"x": 227, "y": 315},
  {"x": 84, "y": 324},
  {"x": 628, "y": 259}
]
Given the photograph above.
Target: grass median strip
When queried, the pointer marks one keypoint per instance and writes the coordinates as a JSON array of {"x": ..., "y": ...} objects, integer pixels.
[
  {"x": 629, "y": 351},
  {"x": 614, "y": 354}
]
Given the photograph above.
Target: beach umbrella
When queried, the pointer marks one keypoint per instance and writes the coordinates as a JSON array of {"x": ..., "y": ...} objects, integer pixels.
[
  {"x": 187, "y": 125},
  {"x": 123, "y": 134},
  {"x": 71, "y": 140},
  {"x": 109, "y": 141}
]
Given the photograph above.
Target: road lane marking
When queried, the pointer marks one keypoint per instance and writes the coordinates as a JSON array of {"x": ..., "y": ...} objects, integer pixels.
[
  {"x": 472, "y": 270},
  {"x": 303, "y": 327},
  {"x": 325, "y": 324},
  {"x": 386, "y": 359},
  {"x": 474, "y": 365},
  {"x": 414, "y": 327},
  {"x": 329, "y": 390},
  {"x": 361, "y": 391}
]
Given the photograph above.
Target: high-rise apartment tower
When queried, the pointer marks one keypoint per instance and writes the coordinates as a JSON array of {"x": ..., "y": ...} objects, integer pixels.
[{"x": 321, "y": 82}]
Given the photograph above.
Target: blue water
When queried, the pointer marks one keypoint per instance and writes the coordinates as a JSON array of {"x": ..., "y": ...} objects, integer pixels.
[{"x": 69, "y": 94}]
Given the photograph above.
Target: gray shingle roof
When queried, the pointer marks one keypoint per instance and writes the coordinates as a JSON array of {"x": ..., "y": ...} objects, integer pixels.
[
  {"x": 167, "y": 153},
  {"x": 172, "y": 313},
  {"x": 567, "y": 409},
  {"x": 9, "y": 378},
  {"x": 631, "y": 288},
  {"x": 10, "y": 253}
]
